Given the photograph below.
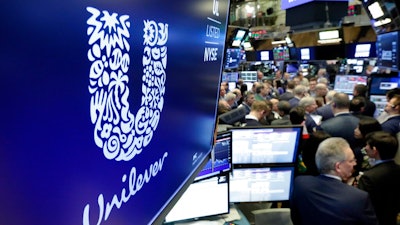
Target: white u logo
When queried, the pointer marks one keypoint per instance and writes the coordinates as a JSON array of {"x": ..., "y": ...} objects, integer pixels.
[{"x": 117, "y": 131}]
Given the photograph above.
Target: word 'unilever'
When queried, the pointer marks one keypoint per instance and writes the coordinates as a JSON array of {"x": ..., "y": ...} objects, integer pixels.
[{"x": 120, "y": 133}]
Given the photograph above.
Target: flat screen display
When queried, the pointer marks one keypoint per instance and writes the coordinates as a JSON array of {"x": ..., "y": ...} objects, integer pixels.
[
  {"x": 286, "y": 4},
  {"x": 230, "y": 77},
  {"x": 307, "y": 53},
  {"x": 346, "y": 83},
  {"x": 265, "y": 55},
  {"x": 265, "y": 145},
  {"x": 248, "y": 76},
  {"x": 232, "y": 58},
  {"x": 265, "y": 184},
  {"x": 92, "y": 131},
  {"x": 362, "y": 51},
  {"x": 239, "y": 37},
  {"x": 292, "y": 68},
  {"x": 208, "y": 197},
  {"x": 388, "y": 50},
  {"x": 281, "y": 53},
  {"x": 383, "y": 14},
  {"x": 220, "y": 160},
  {"x": 355, "y": 66},
  {"x": 380, "y": 102},
  {"x": 380, "y": 85}
]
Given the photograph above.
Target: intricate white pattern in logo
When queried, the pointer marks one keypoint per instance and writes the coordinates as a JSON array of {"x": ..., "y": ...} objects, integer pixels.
[{"x": 117, "y": 131}]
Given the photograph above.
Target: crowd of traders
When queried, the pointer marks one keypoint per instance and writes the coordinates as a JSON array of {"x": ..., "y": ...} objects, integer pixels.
[{"x": 342, "y": 124}]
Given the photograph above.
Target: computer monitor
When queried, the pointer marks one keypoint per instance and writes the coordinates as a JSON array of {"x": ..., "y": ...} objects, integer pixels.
[
  {"x": 387, "y": 49},
  {"x": 292, "y": 68},
  {"x": 355, "y": 66},
  {"x": 266, "y": 144},
  {"x": 307, "y": 53},
  {"x": 233, "y": 116},
  {"x": 381, "y": 84},
  {"x": 248, "y": 76},
  {"x": 232, "y": 58},
  {"x": 266, "y": 184},
  {"x": 380, "y": 102},
  {"x": 346, "y": 83},
  {"x": 365, "y": 50},
  {"x": 230, "y": 76},
  {"x": 281, "y": 53},
  {"x": 240, "y": 35},
  {"x": 220, "y": 160},
  {"x": 207, "y": 197},
  {"x": 264, "y": 55}
]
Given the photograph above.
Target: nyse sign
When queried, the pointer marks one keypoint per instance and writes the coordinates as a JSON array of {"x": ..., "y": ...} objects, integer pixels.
[{"x": 213, "y": 33}]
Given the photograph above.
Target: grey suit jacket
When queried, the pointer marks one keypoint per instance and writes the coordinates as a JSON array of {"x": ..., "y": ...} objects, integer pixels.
[{"x": 342, "y": 125}]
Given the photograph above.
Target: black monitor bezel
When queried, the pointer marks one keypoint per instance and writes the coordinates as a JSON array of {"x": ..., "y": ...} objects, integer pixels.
[{"x": 269, "y": 164}]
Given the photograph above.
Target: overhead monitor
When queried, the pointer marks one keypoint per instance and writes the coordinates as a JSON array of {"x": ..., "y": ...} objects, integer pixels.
[
  {"x": 266, "y": 184},
  {"x": 232, "y": 58},
  {"x": 286, "y": 4},
  {"x": 238, "y": 37},
  {"x": 383, "y": 14},
  {"x": 362, "y": 50},
  {"x": 355, "y": 66},
  {"x": 264, "y": 55},
  {"x": 307, "y": 53},
  {"x": 220, "y": 160},
  {"x": 208, "y": 197},
  {"x": 265, "y": 144},
  {"x": 281, "y": 53},
  {"x": 346, "y": 83},
  {"x": 375, "y": 10},
  {"x": 387, "y": 49}
]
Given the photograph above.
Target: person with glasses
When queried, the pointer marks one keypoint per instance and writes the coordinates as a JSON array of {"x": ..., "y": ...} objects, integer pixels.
[
  {"x": 327, "y": 198},
  {"x": 392, "y": 122}
]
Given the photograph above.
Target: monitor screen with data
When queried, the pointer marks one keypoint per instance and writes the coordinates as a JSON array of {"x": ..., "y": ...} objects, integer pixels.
[
  {"x": 220, "y": 160},
  {"x": 265, "y": 184},
  {"x": 265, "y": 145},
  {"x": 346, "y": 83},
  {"x": 208, "y": 197}
]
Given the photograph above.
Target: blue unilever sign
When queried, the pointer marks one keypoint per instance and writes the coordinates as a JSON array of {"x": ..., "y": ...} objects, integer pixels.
[{"x": 108, "y": 107}]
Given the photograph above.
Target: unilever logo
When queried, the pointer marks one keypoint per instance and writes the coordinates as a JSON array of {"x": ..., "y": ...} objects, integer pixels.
[{"x": 120, "y": 133}]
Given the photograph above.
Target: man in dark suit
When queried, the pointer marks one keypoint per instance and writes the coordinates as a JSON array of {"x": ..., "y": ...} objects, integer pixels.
[
  {"x": 326, "y": 199},
  {"x": 283, "y": 110},
  {"x": 326, "y": 110},
  {"x": 288, "y": 94},
  {"x": 382, "y": 180},
  {"x": 344, "y": 123},
  {"x": 299, "y": 92},
  {"x": 392, "y": 122},
  {"x": 360, "y": 90},
  {"x": 259, "y": 111}
]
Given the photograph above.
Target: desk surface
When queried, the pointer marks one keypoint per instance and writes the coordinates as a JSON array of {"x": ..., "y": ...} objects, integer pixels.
[{"x": 235, "y": 216}]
